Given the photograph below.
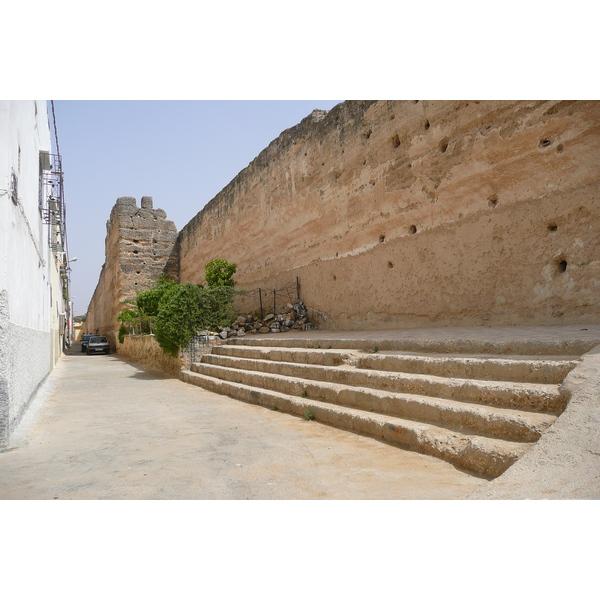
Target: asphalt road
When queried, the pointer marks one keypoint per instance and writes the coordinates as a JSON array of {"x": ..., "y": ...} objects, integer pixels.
[{"x": 103, "y": 428}]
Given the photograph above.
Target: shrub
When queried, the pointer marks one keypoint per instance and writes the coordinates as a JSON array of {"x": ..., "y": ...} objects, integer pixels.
[
  {"x": 219, "y": 273},
  {"x": 122, "y": 333},
  {"x": 128, "y": 318},
  {"x": 185, "y": 309},
  {"x": 147, "y": 302}
]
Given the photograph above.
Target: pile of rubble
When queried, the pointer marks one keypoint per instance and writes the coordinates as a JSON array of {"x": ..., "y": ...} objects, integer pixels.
[{"x": 295, "y": 318}]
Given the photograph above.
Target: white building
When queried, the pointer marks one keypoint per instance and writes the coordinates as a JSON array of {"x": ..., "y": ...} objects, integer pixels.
[{"x": 33, "y": 258}]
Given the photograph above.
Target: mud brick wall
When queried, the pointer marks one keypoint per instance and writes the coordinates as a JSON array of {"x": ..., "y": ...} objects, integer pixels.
[
  {"x": 419, "y": 213},
  {"x": 140, "y": 247}
]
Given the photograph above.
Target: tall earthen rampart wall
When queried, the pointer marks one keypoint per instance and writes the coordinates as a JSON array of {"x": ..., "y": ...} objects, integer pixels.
[
  {"x": 419, "y": 213},
  {"x": 140, "y": 247}
]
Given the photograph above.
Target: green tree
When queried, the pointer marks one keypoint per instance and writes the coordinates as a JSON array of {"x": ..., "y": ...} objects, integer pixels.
[
  {"x": 219, "y": 273},
  {"x": 129, "y": 318},
  {"x": 185, "y": 309},
  {"x": 147, "y": 302}
]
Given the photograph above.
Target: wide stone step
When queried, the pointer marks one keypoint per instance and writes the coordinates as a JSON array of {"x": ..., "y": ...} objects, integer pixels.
[
  {"x": 521, "y": 426},
  {"x": 522, "y": 347},
  {"x": 521, "y": 369},
  {"x": 482, "y": 455},
  {"x": 328, "y": 358},
  {"x": 549, "y": 370},
  {"x": 521, "y": 396}
]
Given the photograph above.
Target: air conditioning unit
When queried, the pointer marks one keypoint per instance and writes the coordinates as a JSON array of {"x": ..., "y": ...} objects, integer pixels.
[{"x": 45, "y": 160}]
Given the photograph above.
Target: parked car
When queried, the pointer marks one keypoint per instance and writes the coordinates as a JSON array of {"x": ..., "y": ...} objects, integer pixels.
[
  {"x": 97, "y": 343},
  {"x": 84, "y": 341}
]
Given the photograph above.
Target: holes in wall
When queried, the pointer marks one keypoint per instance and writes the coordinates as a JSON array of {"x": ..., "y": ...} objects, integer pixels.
[
  {"x": 426, "y": 125},
  {"x": 396, "y": 141},
  {"x": 382, "y": 238},
  {"x": 561, "y": 265},
  {"x": 552, "y": 227},
  {"x": 135, "y": 251},
  {"x": 560, "y": 148},
  {"x": 493, "y": 200},
  {"x": 137, "y": 272},
  {"x": 334, "y": 278},
  {"x": 390, "y": 264},
  {"x": 443, "y": 145},
  {"x": 412, "y": 229},
  {"x": 544, "y": 143},
  {"x": 367, "y": 134},
  {"x": 135, "y": 241},
  {"x": 392, "y": 117}
]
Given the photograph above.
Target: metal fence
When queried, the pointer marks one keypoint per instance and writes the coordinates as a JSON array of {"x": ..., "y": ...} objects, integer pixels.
[
  {"x": 259, "y": 302},
  {"x": 199, "y": 345},
  {"x": 262, "y": 301}
]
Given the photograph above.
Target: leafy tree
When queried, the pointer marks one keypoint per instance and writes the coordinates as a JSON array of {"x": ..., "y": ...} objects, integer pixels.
[
  {"x": 219, "y": 308},
  {"x": 147, "y": 302},
  {"x": 129, "y": 318},
  {"x": 186, "y": 309},
  {"x": 177, "y": 312},
  {"x": 219, "y": 273}
]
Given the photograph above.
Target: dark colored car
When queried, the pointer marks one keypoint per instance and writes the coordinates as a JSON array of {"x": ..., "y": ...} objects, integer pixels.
[
  {"x": 97, "y": 343},
  {"x": 84, "y": 341}
]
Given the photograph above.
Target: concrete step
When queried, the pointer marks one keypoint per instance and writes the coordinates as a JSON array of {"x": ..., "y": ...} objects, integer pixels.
[
  {"x": 519, "y": 347},
  {"x": 551, "y": 370},
  {"x": 468, "y": 418},
  {"x": 549, "y": 398},
  {"x": 482, "y": 455},
  {"x": 311, "y": 356},
  {"x": 489, "y": 368}
]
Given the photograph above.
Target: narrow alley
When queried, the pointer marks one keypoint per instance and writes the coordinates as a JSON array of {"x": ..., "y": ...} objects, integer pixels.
[{"x": 102, "y": 428}]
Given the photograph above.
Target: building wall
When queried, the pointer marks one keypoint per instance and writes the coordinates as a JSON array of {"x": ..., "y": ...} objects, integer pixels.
[
  {"x": 30, "y": 289},
  {"x": 417, "y": 213},
  {"x": 140, "y": 247}
]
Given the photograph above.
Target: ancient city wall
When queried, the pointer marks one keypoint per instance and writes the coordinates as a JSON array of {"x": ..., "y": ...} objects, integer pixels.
[
  {"x": 419, "y": 213},
  {"x": 140, "y": 247}
]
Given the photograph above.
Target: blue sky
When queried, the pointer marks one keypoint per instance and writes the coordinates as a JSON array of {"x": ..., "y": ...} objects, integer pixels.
[{"x": 182, "y": 153}]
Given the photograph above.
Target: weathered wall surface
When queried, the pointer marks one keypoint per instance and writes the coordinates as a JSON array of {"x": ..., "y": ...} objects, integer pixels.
[
  {"x": 31, "y": 299},
  {"x": 413, "y": 213},
  {"x": 140, "y": 247},
  {"x": 144, "y": 349}
]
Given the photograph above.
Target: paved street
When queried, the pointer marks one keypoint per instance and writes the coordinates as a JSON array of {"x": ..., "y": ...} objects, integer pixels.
[{"x": 102, "y": 428}]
